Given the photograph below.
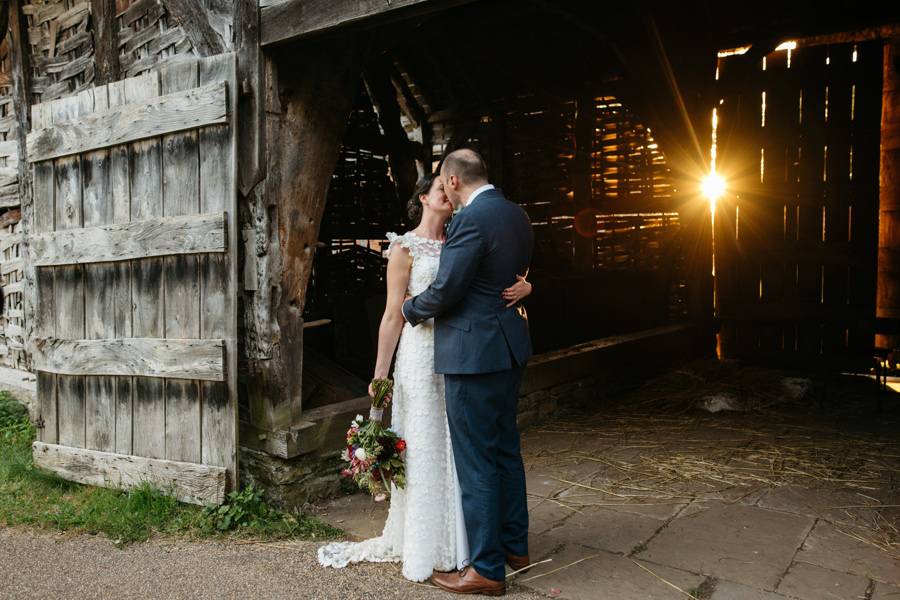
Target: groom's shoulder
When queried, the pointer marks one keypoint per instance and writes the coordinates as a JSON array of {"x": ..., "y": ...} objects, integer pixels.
[{"x": 499, "y": 202}]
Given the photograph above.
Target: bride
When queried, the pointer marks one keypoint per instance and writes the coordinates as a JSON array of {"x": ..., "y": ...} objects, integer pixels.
[{"x": 425, "y": 527}]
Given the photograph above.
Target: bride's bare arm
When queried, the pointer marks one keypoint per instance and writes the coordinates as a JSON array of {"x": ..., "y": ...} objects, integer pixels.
[{"x": 392, "y": 321}]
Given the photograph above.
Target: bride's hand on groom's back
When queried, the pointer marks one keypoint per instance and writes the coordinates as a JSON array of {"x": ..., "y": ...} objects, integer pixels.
[{"x": 517, "y": 291}]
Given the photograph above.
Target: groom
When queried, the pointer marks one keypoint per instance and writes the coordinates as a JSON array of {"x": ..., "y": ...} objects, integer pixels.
[{"x": 481, "y": 347}]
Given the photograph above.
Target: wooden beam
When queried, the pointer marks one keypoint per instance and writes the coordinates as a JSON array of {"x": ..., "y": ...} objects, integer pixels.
[
  {"x": 168, "y": 236},
  {"x": 106, "y": 52},
  {"x": 283, "y": 20},
  {"x": 252, "y": 97},
  {"x": 193, "y": 18},
  {"x": 188, "y": 482},
  {"x": 145, "y": 357},
  {"x": 197, "y": 107},
  {"x": 309, "y": 97}
]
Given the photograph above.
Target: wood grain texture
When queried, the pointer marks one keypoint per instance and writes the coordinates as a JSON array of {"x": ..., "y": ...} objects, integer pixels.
[
  {"x": 194, "y": 234},
  {"x": 188, "y": 482},
  {"x": 130, "y": 122},
  {"x": 146, "y": 357}
]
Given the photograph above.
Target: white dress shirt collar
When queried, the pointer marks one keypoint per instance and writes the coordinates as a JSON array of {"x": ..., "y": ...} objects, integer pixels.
[{"x": 480, "y": 190}]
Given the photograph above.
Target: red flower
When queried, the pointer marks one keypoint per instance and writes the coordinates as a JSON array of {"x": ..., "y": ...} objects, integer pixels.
[{"x": 400, "y": 445}]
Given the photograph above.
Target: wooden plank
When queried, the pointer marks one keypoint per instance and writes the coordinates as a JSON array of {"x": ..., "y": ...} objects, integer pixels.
[
  {"x": 188, "y": 482},
  {"x": 8, "y": 176},
  {"x": 282, "y": 20},
  {"x": 183, "y": 235},
  {"x": 8, "y": 240},
  {"x": 148, "y": 394},
  {"x": 14, "y": 288},
  {"x": 130, "y": 122},
  {"x": 181, "y": 196},
  {"x": 218, "y": 279},
  {"x": 43, "y": 297},
  {"x": 145, "y": 357},
  {"x": 9, "y": 148},
  {"x": 11, "y": 266},
  {"x": 69, "y": 281},
  {"x": 100, "y": 401},
  {"x": 120, "y": 199}
]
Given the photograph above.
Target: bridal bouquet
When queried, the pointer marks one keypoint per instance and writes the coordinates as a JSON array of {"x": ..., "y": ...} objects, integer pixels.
[{"x": 375, "y": 453}]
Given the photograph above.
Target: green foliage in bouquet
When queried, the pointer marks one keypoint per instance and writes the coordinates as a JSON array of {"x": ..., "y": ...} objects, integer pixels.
[{"x": 374, "y": 452}]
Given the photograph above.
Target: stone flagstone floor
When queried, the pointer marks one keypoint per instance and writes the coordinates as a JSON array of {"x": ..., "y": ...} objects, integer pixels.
[{"x": 794, "y": 496}]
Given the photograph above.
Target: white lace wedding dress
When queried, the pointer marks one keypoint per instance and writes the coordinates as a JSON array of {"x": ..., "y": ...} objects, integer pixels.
[{"x": 425, "y": 527}]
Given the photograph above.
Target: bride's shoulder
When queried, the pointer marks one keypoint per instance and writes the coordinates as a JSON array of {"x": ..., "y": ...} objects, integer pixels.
[{"x": 395, "y": 241}]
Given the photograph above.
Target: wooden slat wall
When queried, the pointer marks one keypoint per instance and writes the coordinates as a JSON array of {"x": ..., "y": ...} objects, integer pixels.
[
  {"x": 796, "y": 245},
  {"x": 146, "y": 406},
  {"x": 62, "y": 40},
  {"x": 12, "y": 320}
]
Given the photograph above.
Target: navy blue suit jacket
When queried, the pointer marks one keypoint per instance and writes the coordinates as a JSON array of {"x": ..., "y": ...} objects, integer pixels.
[{"x": 488, "y": 243}]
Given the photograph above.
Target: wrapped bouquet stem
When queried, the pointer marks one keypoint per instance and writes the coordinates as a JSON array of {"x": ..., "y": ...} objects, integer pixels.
[{"x": 375, "y": 453}]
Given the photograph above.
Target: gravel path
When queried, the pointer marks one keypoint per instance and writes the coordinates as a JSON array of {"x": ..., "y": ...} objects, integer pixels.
[{"x": 40, "y": 564}]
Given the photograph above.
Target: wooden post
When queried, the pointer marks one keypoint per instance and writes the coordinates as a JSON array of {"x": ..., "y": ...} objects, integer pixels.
[
  {"x": 309, "y": 97},
  {"x": 106, "y": 52},
  {"x": 251, "y": 96},
  {"x": 888, "y": 295}
]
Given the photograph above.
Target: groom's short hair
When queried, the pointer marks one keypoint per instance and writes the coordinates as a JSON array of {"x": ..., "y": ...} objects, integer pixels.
[{"x": 467, "y": 165}]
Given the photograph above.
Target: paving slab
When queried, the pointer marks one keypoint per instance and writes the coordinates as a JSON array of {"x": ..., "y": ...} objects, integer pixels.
[
  {"x": 604, "y": 575},
  {"x": 358, "y": 515},
  {"x": 728, "y": 590},
  {"x": 744, "y": 544},
  {"x": 609, "y": 530},
  {"x": 828, "y": 547},
  {"x": 810, "y": 582},
  {"x": 884, "y": 591},
  {"x": 819, "y": 502}
]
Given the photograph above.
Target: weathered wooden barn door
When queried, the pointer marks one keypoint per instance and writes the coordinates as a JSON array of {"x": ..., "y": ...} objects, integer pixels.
[
  {"x": 797, "y": 243},
  {"x": 133, "y": 250}
]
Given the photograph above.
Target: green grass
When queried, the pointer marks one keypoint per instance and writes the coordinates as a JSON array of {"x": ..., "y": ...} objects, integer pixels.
[{"x": 29, "y": 496}]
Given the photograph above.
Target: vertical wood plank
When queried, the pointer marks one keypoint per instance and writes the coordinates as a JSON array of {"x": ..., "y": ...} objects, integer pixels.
[
  {"x": 218, "y": 274},
  {"x": 120, "y": 203},
  {"x": 44, "y": 324},
  {"x": 69, "y": 282},
  {"x": 149, "y": 405},
  {"x": 99, "y": 284},
  {"x": 181, "y": 192}
]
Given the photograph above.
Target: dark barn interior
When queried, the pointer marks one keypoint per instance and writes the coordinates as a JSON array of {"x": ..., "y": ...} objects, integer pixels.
[
  {"x": 542, "y": 98},
  {"x": 597, "y": 121},
  {"x": 603, "y": 123}
]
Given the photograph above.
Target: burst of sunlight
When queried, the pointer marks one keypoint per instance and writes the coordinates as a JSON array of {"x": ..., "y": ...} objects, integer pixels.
[{"x": 713, "y": 187}]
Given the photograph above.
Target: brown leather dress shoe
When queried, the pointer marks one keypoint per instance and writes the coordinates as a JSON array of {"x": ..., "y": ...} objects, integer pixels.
[
  {"x": 468, "y": 581},
  {"x": 517, "y": 563}
]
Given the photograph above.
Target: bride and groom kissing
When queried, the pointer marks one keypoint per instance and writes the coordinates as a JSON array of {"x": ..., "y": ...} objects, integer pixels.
[{"x": 462, "y": 341}]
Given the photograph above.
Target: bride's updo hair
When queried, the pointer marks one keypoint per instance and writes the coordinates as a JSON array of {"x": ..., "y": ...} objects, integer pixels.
[{"x": 414, "y": 206}]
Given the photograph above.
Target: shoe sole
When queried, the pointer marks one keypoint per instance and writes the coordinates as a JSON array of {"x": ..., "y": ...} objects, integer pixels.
[{"x": 473, "y": 592}]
